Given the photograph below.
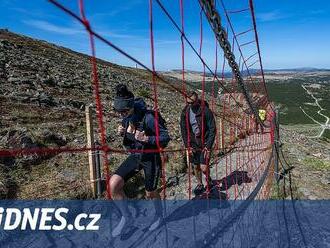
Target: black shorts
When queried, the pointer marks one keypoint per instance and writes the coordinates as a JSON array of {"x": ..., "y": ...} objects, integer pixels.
[{"x": 149, "y": 162}]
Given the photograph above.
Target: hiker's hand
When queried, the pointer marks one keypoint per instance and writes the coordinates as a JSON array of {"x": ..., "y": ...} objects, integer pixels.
[
  {"x": 120, "y": 130},
  {"x": 131, "y": 129},
  {"x": 140, "y": 136}
]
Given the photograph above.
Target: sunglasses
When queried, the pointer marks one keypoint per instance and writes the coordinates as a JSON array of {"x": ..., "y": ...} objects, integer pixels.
[
  {"x": 190, "y": 102},
  {"x": 191, "y": 99}
]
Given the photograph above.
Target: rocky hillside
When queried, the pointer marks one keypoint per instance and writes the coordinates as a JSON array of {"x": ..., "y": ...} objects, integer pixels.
[
  {"x": 43, "y": 94},
  {"x": 310, "y": 158}
]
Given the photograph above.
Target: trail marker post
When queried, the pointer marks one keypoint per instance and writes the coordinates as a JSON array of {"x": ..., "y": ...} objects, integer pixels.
[{"x": 90, "y": 143}]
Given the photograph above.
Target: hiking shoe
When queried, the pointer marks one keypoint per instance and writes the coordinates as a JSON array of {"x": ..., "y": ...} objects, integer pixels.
[
  {"x": 199, "y": 189},
  {"x": 124, "y": 223}
]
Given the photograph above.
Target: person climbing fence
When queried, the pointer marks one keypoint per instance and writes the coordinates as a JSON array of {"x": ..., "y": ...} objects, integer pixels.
[{"x": 138, "y": 132}]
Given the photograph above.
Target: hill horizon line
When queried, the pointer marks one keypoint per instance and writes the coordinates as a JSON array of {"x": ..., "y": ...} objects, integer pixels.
[{"x": 253, "y": 70}]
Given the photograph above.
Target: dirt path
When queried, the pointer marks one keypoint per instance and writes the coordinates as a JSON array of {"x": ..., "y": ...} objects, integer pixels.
[
  {"x": 324, "y": 126},
  {"x": 236, "y": 173}
]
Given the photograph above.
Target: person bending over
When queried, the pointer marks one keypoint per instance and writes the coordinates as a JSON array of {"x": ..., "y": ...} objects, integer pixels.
[{"x": 139, "y": 134}]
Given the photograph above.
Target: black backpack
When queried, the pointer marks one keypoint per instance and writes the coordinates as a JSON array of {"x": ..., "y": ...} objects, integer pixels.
[{"x": 161, "y": 121}]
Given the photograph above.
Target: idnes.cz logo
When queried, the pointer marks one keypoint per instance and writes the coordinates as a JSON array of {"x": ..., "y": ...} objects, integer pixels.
[{"x": 46, "y": 219}]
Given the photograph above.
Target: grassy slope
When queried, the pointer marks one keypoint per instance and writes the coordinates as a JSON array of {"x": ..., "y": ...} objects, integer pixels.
[{"x": 289, "y": 95}]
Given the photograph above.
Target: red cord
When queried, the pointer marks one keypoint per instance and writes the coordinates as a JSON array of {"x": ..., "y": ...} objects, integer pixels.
[
  {"x": 258, "y": 141},
  {"x": 156, "y": 95},
  {"x": 99, "y": 109}
]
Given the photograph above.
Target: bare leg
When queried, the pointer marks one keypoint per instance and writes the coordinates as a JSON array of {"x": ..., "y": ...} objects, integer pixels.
[
  {"x": 150, "y": 195},
  {"x": 154, "y": 195},
  {"x": 117, "y": 192},
  {"x": 198, "y": 174},
  {"x": 206, "y": 172},
  {"x": 116, "y": 186}
]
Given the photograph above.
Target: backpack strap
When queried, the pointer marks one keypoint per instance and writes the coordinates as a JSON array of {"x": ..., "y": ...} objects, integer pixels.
[{"x": 144, "y": 123}]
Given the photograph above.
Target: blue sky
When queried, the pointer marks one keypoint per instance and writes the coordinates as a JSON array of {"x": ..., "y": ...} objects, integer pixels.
[{"x": 292, "y": 33}]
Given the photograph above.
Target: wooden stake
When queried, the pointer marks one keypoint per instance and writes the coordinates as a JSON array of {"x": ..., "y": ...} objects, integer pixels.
[
  {"x": 221, "y": 143},
  {"x": 90, "y": 143}
]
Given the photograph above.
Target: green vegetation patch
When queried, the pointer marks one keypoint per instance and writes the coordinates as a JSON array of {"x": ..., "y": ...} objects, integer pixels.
[
  {"x": 326, "y": 135},
  {"x": 145, "y": 93},
  {"x": 290, "y": 96},
  {"x": 317, "y": 164}
]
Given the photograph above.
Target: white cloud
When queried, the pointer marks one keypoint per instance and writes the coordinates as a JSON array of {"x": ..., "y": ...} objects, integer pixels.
[
  {"x": 119, "y": 9},
  {"x": 167, "y": 42},
  {"x": 318, "y": 11},
  {"x": 112, "y": 34},
  {"x": 76, "y": 28},
  {"x": 49, "y": 27},
  {"x": 271, "y": 16}
]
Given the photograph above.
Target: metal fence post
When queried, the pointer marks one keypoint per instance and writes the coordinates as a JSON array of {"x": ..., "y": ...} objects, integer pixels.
[{"x": 98, "y": 170}]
